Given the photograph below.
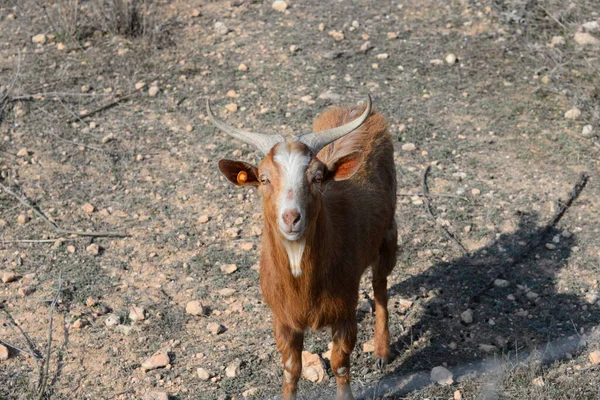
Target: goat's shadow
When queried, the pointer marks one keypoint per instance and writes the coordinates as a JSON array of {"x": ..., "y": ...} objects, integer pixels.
[{"x": 530, "y": 311}]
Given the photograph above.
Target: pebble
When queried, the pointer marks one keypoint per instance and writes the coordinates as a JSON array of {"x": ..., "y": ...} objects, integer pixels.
[
  {"x": 195, "y": 13},
  {"x": 591, "y": 297},
  {"x": 228, "y": 268},
  {"x": 586, "y": 39},
  {"x": 79, "y": 323},
  {"x": 93, "y": 249},
  {"x": 451, "y": 59},
  {"x": 409, "y": 147},
  {"x": 475, "y": 192},
  {"x": 250, "y": 393},
  {"x": 220, "y": 28},
  {"x": 85, "y": 88},
  {"x": 369, "y": 347},
  {"x": 23, "y": 152},
  {"x": 532, "y": 295},
  {"x": 313, "y": 367},
  {"x": 441, "y": 376},
  {"x": 591, "y": 26},
  {"x": 153, "y": 91},
  {"x": 573, "y": 113},
  {"x": 215, "y": 328},
  {"x": 436, "y": 62},
  {"x": 279, "y": 5},
  {"x": 9, "y": 276},
  {"x": 457, "y": 395},
  {"x": 550, "y": 246},
  {"x": 383, "y": 56},
  {"x": 487, "y": 348},
  {"x": 196, "y": 308},
  {"x": 595, "y": 357},
  {"x": 231, "y": 107},
  {"x": 112, "y": 320},
  {"x": 137, "y": 313},
  {"x": 557, "y": 41},
  {"x": 226, "y": 292},
  {"x": 233, "y": 369},
  {"x": 243, "y": 67},
  {"x": 203, "y": 219},
  {"x": 156, "y": 396},
  {"x": 140, "y": 85},
  {"x": 160, "y": 359},
  {"x": 189, "y": 128},
  {"x": 88, "y": 208},
  {"x": 392, "y": 35},
  {"x": 23, "y": 219},
  {"x": 246, "y": 246},
  {"x": 91, "y": 302},
  {"x": 108, "y": 138},
  {"x": 587, "y": 130},
  {"x": 539, "y": 381},
  {"x": 26, "y": 291},
  {"x": 203, "y": 374},
  {"x": 467, "y": 316},
  {"x": 39, "y": 39},
  {"x": 501, "y": 283},
  {"x": 4, "y": 353},
  {"x": 71, "y": 249},
  {"x": 336, "y": 35}
]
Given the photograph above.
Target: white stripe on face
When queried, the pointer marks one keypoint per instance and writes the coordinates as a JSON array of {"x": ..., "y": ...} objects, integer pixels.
[{"x": 293, "y": 164}]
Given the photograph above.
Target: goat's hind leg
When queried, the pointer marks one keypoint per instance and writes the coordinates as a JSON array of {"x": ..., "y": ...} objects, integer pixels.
[
  {"x": 289, "y": 344},
  {"x": 381, "y": 269}
]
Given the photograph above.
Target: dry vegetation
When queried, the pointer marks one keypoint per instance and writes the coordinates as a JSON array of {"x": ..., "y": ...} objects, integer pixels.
[{"x": 111, "y": 203}]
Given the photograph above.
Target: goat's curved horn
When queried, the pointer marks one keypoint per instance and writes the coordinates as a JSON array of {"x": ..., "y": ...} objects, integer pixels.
[
  {"x": 317, "y": 140},
  {"x": 262, "y": 142}
]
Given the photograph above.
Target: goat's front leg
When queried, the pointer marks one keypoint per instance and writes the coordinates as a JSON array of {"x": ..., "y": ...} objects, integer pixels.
[
  {"x": 290, "y": 344},
  {"x": 344, "y": 339}
]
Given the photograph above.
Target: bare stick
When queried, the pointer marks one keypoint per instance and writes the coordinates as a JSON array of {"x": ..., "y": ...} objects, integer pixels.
[
  {"x": 56, "y": 227},
  {"x": 453, "y": 196},
  {"x": 449, "y": 234},
  {"x": 34, "y": 240},
  {"x": 4, "y": 100},
  {"x": 44, "y": 372},
  {"x": 537, "y": 240},
  {"x": 102, "y": 108},
  {"x": 12, "y": 346},
  {"x": 14, "y": 327}
]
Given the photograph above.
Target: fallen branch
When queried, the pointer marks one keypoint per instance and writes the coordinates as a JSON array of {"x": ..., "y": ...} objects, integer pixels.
[
  {"x": 10, "y": 322},
  {"x": 426, "y": 199},
  {"x": 537, "y": 240},
  {"x": 453, "y": 196},
  {"x": 102, "y": 108},
  {"x": 57, "y": 228},
  {"x": 12, "y": 346}
]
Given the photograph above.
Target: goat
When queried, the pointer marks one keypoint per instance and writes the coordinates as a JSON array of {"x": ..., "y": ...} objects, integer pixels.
[{"x": 329, "y": 200}]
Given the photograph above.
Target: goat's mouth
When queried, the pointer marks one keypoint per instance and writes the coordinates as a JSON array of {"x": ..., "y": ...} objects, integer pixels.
[{"x": 292, "y": 234}]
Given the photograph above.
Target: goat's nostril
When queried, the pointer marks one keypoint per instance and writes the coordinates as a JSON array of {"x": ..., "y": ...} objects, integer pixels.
[{"x": 291, "y": 217}]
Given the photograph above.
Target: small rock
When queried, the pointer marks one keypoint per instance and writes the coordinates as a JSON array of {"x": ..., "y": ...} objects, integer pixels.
[
  {"x": 586, "y": 39},
  {"x": 79, "y": 323},
  {"x": 226, "y": 292},
  {"x": 336, "y": 35},
  {"x": 457, "y": 395},
  {"x": 22, "y": 219},
  {"x": 112, "y": 320},
  {"x": 587, "y": 131},
  {"x": 26, "y": 291},
  {"x": 189, "y": 128},
  {"x": 220, "y": 28},
  {"x": 195, "y": 13},
  {"x": 228, "y": 268},
  {"x": 153, "y": 91},
  {"x": 4, "y": 353},
  {"x": 196, "y": 308},
  {"x": 137, "y": 313},
  {"x": 451, "y": 59},
  {"x": 160, "y": 359},
  {"x": 405, "y": 303},
  {"x": 93, "y": 249},
  {"x": 392, "y": 35},
  {"x": 383, "y": 56},
  {"x": 595, "y": 357},
  {"x": 71, "y": 249},
  {"x": 140, "y": 85},
  {"x": 501, "y": 283},
  {"x": 436, "y": 62},
  {"x": 467, "y": 316},
  {"x": 313, "y": 367},
  {"x": 108, "y": 138},
  {"x": 475, "y": 192},
  {"x": 156, "y": 396},
  {"x": 550, "y": 246},
  {"x": 532, "y": 295},
  {"x": 23, "y": 152},
  {"x": 203, "y": 219},
  {"x": 409, "y": 147},
  {"x": 365, "y": 307},
  {"x": 591, "y": 26},
  {"x": 233, "y": 369},
  {"x": 511, "y": 297},
  {"x": 10, "y": 16},
  {"x": 441, "y": 376},
  {"x": 88, "y": 208},
  {"x": 488, "y": 348},
  {"x": 591, "y": 298},
  {"x": 125, "y": 329},
  {"x": 369, "y": 347},
  {"x": 215, "y": 328},
  {"x": 243, "y": 67},
  {"x": 203, "y": 374},
  {"x": 91, "y": 302},
  {"x": 39, "y": 39},
  {"x": 573, "y": 113},
  {"x": 279, "y": 5},
  {"x": 9, "y": 276},
  {"x": 557, "y": 41},
  {"x": 85, "y": 88},
  {"x": 539, "y": 381},
  {"x": 250, "y": 392},
  {"x": 61, "y": 47},
  {"x": 231, "y": 107}
]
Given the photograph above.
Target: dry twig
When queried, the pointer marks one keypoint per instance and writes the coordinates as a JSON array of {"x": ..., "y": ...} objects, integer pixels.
[
  {"x": 5, "y": 99},
  {"x": 57, "y": 228},
  {"x": 426, "y": 195}
]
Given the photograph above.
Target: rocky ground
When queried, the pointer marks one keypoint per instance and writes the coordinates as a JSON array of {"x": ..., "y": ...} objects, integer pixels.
[{"x": 103, "y": 129}]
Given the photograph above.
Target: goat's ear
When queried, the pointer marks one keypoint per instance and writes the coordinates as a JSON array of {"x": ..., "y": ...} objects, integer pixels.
[
  {"x": 345, "y": 167},
  {"x": 239, "y": 173}
]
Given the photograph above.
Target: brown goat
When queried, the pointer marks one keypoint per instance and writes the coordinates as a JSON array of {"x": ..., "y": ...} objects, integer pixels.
[{"x": 328, "y": 214}]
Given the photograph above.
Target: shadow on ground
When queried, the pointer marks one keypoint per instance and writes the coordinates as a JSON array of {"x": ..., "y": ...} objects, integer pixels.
[{"x": 524, "y": 315}]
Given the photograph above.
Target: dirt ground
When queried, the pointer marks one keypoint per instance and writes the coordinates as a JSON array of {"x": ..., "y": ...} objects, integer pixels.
[{"x": 88, "y": 140}]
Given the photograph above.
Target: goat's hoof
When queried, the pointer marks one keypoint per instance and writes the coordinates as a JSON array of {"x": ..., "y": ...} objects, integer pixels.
[{"x": 381, "y": 364}]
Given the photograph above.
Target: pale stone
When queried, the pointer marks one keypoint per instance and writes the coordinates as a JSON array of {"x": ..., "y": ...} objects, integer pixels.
[
  {"x": 336, "y": 35},
  {"x": 4, "y": 353},
  {"x": 279, "y": 5},
  {"x": 39, "y": 39},
  {"x": 595, "y": 357},
  {"x": 233, "y": 369},
  {"x": 313, "y": 367},
  {"x": 467, "y": 316},
  {"x": 451, "y": 59},
  {"x": 9, "y": 276},
  {"x": 203, "y": 374},
  {"x": 573, "y": 113},
  {"x": 228, "y": 268},
  {"x": 153, "y": 91},
  {"x": 88, "y": 208},
  {"x": 586, "y": 39},
  {"x": 137, "y": 313},
  {"x": 93, "y": 249},
  {"x": 196, "y": 308},
  {"x": 409, "y": 147},
  {"x": 441, "y": 376}
]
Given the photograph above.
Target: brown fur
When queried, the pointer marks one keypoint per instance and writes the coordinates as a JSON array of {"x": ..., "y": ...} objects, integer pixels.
[{"x": 352, "y": 227}]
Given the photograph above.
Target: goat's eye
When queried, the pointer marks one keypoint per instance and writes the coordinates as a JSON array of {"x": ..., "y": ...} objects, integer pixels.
[
  {"x": 263, "y": 179},
  {"x": 318, "y": 177}
]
